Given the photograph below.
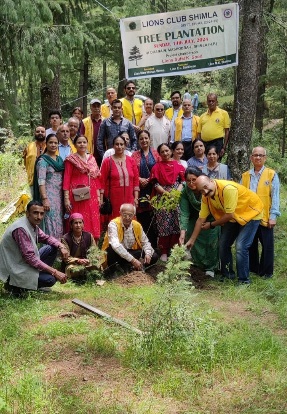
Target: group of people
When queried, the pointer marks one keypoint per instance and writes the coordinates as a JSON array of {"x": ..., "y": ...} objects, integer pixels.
[{"x": 126, "y": 152}]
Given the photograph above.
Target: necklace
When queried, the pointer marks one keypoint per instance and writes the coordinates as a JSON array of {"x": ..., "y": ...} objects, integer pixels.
[
  {"x": 78, "y": 239},
  {"x": 212, "y": 169},
  {"x": 84, "y": 158}
]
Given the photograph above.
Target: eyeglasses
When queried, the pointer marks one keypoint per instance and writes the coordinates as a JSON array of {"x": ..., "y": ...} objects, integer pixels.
[
  {"x": 258, "y": 155},
  {"x": 127, "y": 215},
  {"x": 159, "y": 109},
  {"x": 130, "y": 87}
]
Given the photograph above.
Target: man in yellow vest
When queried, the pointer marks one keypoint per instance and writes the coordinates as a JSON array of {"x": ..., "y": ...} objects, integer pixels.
[
  {"x": 32, "y": 152},
  {"x": 106, "y": 108},
  {"x": 214, "y": 125},
  {"x": 239, "y": 211},
  {"x": 186, "y": 128},
  {"x": 176, "y": 109},
  {"x": 265, "y": 183},
  {"x": 126, "y": 243},
  {"x": 90, "y": 128},
  {"x": 132, "y": 107}
]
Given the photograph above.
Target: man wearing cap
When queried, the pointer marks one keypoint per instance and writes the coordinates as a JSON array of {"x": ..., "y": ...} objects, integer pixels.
[{"x": 90, "y": 128}]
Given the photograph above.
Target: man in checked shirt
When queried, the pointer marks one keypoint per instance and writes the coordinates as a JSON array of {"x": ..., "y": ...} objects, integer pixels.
[{"x": 126, "y": 243}]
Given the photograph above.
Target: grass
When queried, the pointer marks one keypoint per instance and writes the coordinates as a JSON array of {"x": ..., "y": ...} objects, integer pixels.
[{"x": 222, "y": 349}]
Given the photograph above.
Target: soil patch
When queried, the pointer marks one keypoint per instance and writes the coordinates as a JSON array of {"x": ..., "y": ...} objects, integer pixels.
[
  {"x": 135, "y": 278},
  {"x": 199, "y": 278}
]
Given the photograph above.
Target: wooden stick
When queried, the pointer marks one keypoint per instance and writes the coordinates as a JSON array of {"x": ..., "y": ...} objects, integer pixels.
[{"x": 105, "y": 315}]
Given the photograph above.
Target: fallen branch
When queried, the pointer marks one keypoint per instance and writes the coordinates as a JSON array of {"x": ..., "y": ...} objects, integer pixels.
[{"x": 105, "y": 315}]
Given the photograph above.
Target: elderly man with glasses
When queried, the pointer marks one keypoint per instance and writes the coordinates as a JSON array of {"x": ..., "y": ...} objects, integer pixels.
[
  {"x": 158, "y": 125},
  {"x": 265, "y": 183},
  {"x": 126, "y": 243}
]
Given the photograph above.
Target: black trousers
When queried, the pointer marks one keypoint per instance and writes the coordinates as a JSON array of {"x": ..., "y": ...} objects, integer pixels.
[
  {"x": 113, "y": 258},
  {"x": 263, "y": 266},
  {"x": 188, "y": 153}
]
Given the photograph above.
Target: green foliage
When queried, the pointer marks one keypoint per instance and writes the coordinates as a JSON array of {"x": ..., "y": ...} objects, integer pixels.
[
  {"x": 167, "y": 201},
  {"x": 177, "y": 268}
]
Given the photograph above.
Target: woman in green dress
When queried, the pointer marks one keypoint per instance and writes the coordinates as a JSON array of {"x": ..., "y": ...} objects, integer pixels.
[{"x": 205, "y": 252}]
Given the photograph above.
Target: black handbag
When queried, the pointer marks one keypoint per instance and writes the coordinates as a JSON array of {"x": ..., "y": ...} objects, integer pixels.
[{"x": 106, "y": 208}]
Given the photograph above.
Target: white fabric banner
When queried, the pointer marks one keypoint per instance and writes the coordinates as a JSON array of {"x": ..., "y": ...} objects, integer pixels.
[{"x": 180, "y": 42}]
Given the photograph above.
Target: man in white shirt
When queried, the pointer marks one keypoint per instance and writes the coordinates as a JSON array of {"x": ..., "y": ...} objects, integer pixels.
[
  {"x": 126, "y": 243},
  {"x": 158, "y": 126}
]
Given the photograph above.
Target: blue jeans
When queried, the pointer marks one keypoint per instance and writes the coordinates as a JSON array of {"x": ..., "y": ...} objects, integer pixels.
[
  {"x": 244, "y": 236},
  {"x": 48, "y": 255}
]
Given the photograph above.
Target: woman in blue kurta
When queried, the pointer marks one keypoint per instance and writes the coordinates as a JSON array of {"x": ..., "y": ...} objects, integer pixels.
[{"x": 48, "y": 182}]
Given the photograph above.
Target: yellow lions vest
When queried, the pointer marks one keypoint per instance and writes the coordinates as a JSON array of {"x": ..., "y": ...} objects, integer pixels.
[
  {"x": 137, "y": 228},
  {"x": 178, "y": 122},
  {"x": 263, "y": 191},
  {"x": 89, "y": 133},
  {"x": 169, "y": 113},
  {"x": 248, "y": 206}
]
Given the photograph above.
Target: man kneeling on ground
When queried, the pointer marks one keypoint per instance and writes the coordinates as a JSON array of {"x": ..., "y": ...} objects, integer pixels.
[
  {"x": 24, "y": 267},
  {"x": 126, "y": 243}
]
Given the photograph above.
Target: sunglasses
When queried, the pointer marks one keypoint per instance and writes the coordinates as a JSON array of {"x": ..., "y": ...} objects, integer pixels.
[
  {"x": 159, "y": 109},
  {"x": 130, "y": 87}
]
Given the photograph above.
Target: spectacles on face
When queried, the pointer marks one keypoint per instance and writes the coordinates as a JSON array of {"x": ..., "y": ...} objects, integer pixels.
[
  {"x": 127, "y": 215},
  {"x": 159, "y": 109},
  {"x": 130, "y": 87},
  {"x": 258, "y": 155}
]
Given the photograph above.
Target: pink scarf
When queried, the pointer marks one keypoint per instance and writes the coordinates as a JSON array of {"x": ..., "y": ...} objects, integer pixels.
[{"x": 90, "y": 167}]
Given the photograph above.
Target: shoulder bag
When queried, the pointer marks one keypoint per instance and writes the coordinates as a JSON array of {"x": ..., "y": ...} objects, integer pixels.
[{"x": 82, "y": 192}]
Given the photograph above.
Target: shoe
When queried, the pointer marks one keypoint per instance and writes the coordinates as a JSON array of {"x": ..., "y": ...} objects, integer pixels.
[
  {"x": 209, "y": 273},
  {"x": 267, "y": 276},
  {"x": 44, "y": 289},
  {"x": 244, "y": 282},
  {"x": 163, "y": 257}
]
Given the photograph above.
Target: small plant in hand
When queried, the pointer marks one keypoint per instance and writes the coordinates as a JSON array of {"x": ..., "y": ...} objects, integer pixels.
[
  {"x": 167, "y": 201},
  {"x": 96, "y": 257}
]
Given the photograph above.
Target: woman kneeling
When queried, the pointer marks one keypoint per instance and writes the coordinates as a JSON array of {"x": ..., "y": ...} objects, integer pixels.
[{"x": 77, "y": 242}]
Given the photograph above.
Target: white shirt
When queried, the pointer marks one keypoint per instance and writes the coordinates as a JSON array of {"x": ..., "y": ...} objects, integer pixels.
[
  {"x": 159, "y": 129},
  {"x": 128, "y": 241},
  {"x": 111, "y": 152}
]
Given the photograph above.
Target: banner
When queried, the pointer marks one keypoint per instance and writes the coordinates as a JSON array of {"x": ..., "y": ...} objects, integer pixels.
[{"x": 180, "y": 42}]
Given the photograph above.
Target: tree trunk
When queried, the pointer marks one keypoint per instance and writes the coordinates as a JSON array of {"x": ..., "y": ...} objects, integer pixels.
[
  {"x": 246, "y": 88},
  {"x": 261, "y": 107},
  {"x": 104, "y": 78},
  {"x": 50, "y": 97},
  {"x": 155, "y": 89},
  {"x": 284, "y": 111},
  {"x": 122, "y": 78}
]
